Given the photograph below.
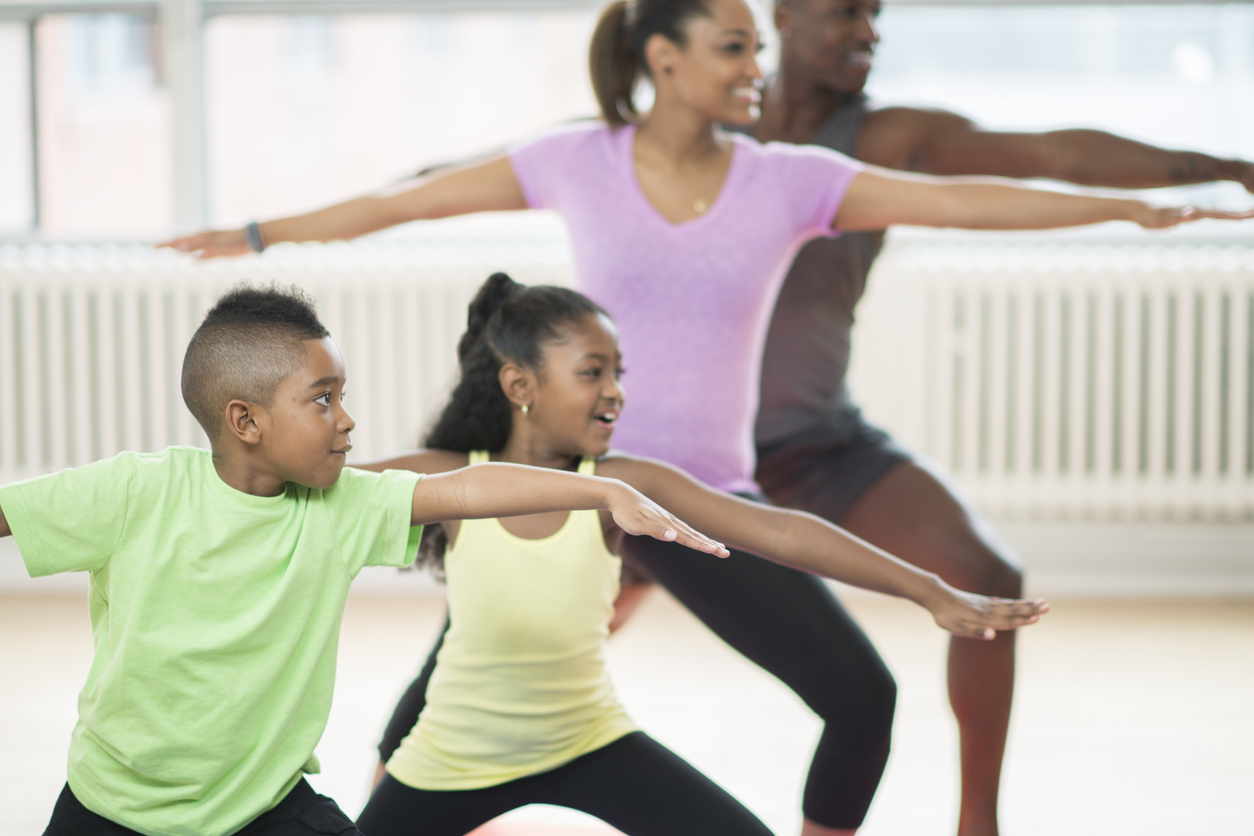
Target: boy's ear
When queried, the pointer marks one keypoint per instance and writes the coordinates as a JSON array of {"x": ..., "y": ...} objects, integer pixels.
[
  {"x": 518, "y": 384},
  {"x": 241, "y": 421}
]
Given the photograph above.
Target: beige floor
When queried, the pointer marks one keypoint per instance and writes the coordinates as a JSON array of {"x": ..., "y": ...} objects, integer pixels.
[{"x": 1133, "y": 718}]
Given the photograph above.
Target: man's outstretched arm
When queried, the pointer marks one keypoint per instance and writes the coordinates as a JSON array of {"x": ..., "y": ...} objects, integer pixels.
[{"x": 939, "y": 142}]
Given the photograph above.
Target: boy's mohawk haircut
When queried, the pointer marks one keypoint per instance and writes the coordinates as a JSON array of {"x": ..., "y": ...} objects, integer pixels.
[{"x": 248, "y": 342}]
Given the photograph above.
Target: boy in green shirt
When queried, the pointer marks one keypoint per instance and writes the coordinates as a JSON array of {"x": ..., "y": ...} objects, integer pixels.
[{"x": 219, "y": 578}]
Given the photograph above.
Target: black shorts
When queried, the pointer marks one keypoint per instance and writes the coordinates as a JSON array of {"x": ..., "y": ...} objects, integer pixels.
[
  {"x": 301, "y": 812},
  {"x": 826, "y": 470}
]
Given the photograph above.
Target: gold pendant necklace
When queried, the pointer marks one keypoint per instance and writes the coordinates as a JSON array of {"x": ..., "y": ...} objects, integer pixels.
[{"x": 700, "y": 205}]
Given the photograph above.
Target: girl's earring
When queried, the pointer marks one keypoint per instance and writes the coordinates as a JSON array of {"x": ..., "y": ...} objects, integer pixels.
[
  {"x": 785, "y": 33},
  {"x": 526, "y": 408}
]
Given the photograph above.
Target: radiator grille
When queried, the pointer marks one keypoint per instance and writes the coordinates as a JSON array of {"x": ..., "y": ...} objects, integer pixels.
[
  {"x": 92, "y": 337},
  {"x": 1091, "y": 382}
]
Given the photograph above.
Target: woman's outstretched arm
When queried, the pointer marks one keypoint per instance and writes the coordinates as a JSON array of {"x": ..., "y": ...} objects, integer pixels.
[
  {"x": 807, "y": 542},
  {"x": 488, "y": 186},
  {"x": 879, "y": 198}
]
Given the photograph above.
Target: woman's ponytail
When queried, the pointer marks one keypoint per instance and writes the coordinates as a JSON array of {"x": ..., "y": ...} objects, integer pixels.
[
  {"x": 616, "y": 57},
  {"x": 614, "y": 65}
]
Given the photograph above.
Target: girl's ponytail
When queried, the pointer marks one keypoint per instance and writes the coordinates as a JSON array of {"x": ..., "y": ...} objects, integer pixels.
[{"x": 491, "y": 295}]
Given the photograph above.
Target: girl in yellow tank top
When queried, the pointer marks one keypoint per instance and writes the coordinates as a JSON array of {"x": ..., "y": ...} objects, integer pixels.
[{"x": 520, "y": 708}]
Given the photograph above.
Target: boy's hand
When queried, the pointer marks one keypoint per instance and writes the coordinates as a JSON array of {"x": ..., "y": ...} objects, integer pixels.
[
  {"x": 979, "y": 616},
  {"x": 635, "y": 513}
]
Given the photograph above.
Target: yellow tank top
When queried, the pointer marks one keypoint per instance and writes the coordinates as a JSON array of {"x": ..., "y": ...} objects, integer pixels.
[{"x": 520, "y": 685}]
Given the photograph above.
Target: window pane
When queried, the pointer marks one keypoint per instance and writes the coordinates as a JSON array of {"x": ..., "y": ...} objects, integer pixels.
[
  {"x": 1180, "y": 76},
  {"x": 16, "y": 210},
  {"x": 104, "y": 135},
  {"x": 326, "y": 108}
]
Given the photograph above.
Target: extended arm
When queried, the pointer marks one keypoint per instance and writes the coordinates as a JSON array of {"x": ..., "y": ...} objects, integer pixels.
[
  {"x": 879, "y": 198},
  {"x": 486, "y": 186},
  {"x": 943, "y": 143},
  {"x": 807, "y": 542},
  {"x": 507, "y": 490}
]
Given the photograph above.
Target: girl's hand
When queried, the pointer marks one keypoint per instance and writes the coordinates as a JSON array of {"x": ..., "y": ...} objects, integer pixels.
[
  {"x": 1162, "y": 217},
  {"x": 635, "y": 513},
  {"x": 979, "y": 616},
  {"x": 211, "y": 244}
]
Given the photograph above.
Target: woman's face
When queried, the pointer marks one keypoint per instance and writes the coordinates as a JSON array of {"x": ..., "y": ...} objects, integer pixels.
[
  {"x": 578, "y": 396},
  {"x": 716, "y": 72}
]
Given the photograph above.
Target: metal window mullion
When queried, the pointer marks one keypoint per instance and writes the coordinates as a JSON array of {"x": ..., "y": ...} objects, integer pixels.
[
  {"x": 32, "y": 86},
  {"x": 182, "y": 37}
]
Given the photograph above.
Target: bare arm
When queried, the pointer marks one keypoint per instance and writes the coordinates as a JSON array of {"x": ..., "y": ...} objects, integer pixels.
[
  {"x": 879, "y": 198},
  {"x": 5, "y": 531},
  {"x": 508, "y": 490},
  {"x": 944, "y": 143},
  {"x": 807, "y": 542},
  {"x": 419, "y": 461},
  {"x": 488, "y": 186}
]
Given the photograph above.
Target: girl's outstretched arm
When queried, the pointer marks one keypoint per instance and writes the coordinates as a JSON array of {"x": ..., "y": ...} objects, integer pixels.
[
  {"x": 507, "y": 490},
  {"x": 419, "y": 461},
  {"x": 879, "y": 198},
  {"x": 807, "y": 542},
  {"x": 487, "y": 186}
]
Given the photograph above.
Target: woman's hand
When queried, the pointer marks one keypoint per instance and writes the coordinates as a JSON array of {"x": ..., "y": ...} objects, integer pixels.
[
  {"x": 1162, "y": 217},
  {"x": 211, "y": 244},
  {"x": 979, "y": 616},
  {"x": 635, "y": 513}
]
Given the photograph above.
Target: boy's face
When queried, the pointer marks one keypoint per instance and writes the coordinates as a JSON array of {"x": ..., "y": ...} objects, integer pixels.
[{"x": 305, "y": 437}]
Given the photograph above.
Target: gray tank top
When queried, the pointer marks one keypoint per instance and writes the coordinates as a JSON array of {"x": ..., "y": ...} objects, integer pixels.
[{"x": 803, "y": 390}]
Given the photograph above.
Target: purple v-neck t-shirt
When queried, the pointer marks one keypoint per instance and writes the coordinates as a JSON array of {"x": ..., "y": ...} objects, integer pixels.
[{"x": 692, "y": 301}]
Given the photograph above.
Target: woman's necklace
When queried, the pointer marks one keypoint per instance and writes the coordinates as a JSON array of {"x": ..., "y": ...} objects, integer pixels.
[{"x": 700, "y": 205}]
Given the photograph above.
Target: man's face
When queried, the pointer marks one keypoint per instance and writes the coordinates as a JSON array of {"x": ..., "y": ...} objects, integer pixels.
[
  {"x": 832, "y": 40},
  {"x": 306, "y": 428}
]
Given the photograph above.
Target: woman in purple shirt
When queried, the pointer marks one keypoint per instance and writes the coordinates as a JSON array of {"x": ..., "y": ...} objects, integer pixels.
[{"x": 684, "y": 233}]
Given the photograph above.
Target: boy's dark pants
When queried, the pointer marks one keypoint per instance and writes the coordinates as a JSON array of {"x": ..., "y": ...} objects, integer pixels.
[{"x": 301, "y": 812}]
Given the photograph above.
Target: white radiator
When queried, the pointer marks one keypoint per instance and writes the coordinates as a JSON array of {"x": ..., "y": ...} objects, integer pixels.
[
  {"x": 92, "y": 337},
  {"x": 1076, "y": 382},
  {"x": 1073, "y": 382}
]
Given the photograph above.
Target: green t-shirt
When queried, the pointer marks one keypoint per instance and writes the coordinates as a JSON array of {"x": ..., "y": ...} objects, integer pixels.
[{"x": 216, "y": 617}]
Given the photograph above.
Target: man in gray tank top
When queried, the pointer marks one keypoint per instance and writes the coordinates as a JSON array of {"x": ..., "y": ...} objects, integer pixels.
[{"x": 815, "y": 451}]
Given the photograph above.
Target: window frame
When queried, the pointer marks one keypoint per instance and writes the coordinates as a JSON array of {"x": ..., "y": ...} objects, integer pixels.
[{"x": 182, "y": 42}]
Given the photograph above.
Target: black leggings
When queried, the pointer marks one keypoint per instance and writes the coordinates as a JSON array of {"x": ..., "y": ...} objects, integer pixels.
[
  {"x": 634, "y": 784},
  {"x": 302, "y": 812},
  {"x": 791, "y": 625}
]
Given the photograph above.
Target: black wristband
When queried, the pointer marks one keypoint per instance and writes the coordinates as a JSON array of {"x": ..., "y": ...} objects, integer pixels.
[{"x": 256, "y": 241}]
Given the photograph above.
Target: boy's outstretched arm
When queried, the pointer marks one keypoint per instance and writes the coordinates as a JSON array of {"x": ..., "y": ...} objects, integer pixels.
[
  {"x": 807, "y": 542},
  {"x": 508, "y": 490},
  {"x": 5, "y": 531}
]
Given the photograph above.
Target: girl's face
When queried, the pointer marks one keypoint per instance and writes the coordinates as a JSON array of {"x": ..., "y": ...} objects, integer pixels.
[
  {"x": 578, "y": 396},
  {"x": 716, "y": 72}
]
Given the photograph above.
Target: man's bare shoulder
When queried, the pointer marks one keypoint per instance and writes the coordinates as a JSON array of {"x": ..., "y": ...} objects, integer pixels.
[{"x": 895, "y": 136}]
